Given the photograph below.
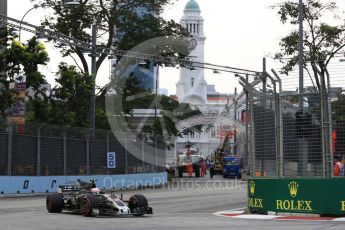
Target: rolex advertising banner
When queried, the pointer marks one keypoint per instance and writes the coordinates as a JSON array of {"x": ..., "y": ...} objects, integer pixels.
[{"x": 318, "y": 196}]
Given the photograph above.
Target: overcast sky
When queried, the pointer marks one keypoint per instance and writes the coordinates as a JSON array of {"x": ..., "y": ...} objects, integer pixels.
[{"x": 239, "y": 34}]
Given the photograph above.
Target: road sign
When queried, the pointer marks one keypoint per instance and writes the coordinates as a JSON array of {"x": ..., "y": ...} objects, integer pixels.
[{"x": 111, "y": 160}]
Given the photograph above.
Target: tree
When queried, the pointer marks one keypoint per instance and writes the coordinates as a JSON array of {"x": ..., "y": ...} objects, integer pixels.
[
  {"x": 68, "y": 104},
  {"x": 112, "y": 17},
  {"x": 322, "y": 41},
  {"x": 170, "y": 111},
  {"x": 74, "y": 93},
  {"x": 16, "y": 61},
  {"x": 338, "y": 108},
  {"x": 131, "y": 28}
]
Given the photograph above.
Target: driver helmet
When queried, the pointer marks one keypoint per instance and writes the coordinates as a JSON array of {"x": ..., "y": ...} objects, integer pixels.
[{"x": 95, "y": 190}]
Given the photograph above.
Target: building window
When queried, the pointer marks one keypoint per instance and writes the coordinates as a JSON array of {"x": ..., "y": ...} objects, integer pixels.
[
  {"x": 213, "y": 133},
  {"x": 192, "y": 82},
  {"x": 194, "y": 27},
  {"x": 192, "y": 135},
  {"x": 197, "y": 27}
]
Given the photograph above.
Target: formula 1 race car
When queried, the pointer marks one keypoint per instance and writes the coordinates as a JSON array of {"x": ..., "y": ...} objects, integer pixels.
[{"x": 85, "y": 198}]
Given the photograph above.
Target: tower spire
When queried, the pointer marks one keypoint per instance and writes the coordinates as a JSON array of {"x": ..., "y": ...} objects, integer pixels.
[{"x": 192, "y": 87}]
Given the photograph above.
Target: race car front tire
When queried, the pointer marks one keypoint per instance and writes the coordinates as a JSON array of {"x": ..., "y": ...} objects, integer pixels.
[
  {"x": 55, "y": 202},
  {"x": 87, "y": 204},
  {"x": 137, "y": 202}
]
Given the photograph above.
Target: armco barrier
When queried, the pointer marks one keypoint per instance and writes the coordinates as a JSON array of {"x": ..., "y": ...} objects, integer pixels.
[{"x": 42, "y": 184}]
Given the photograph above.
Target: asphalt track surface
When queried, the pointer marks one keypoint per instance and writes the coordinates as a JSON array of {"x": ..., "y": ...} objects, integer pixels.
[{"x": 187, "y": 204}]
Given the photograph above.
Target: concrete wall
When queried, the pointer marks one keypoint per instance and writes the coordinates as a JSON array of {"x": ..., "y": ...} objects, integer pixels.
[{"x": 34, "y": 184}]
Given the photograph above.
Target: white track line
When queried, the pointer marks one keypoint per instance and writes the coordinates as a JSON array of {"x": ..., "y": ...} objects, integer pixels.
[{"x": 240, "y": 215}]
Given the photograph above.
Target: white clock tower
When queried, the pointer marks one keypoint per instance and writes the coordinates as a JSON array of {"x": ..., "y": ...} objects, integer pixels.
[{"x": 192, "y": 87}]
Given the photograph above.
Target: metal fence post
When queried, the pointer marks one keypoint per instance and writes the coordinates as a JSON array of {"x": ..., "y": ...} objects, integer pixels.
[
  {"x": 87, "y": 140},
  {"x": 107, "y": 148},
  {"x": 126, "y": 156},
  {"x": 251, "y": 131},
  {"x": 156, "y": 154},
  {"x": 280, "y": 124},
  {"x": 142, "y": 156},
  {"x": 65, "y": 152},
  {"x": 330, "y": 126},
  {"x": 325, "y": 132},
  {"x": 9, "y": 151},
  {"x": 326, "y": 135},
  {"x": 38, "y": 152},
  {"x": 235, "y": 119},
  {"x": 251, "y": 141},
  {"x": 246, "y": 145},
  {"x": 277, "y": 125},
  {"x": 107, "y": 142}
]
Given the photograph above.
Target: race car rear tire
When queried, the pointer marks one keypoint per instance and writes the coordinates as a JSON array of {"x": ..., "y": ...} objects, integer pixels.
[
  {"x": 55, "y": 202},
  {"x": 137, "y": 201},
  {"x": 87, "y": 204}
]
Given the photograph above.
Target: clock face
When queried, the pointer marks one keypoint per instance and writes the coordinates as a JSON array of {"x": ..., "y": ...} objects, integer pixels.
[{"x": 192, "y": 43}]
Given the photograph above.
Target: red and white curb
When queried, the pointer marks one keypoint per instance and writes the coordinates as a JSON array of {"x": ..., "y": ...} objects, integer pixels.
[{"x": 239, "y": 214}]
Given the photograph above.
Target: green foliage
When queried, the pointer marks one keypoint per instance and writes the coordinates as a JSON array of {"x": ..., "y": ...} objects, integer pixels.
[
  {"x": 18, "y": 60},
  {"x": 321, "y": 40},
  {"x": 338, "y": 108},
  {"x": 130, "y": 96},
  {"x": 101, "y": 119},
  {"x": 69, "y": 105},
  {"x": 35, "y": 54},
  {"x": 131, "y": 29}
]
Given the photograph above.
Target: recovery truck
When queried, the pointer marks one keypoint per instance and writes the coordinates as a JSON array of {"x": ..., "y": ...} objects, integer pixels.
[
  {"x": 216, "y": 164},
  {"x": 190, "y": 156}
]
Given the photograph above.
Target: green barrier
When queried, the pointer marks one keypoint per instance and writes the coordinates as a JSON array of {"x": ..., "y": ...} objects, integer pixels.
[{"x": 316, "y": 196}]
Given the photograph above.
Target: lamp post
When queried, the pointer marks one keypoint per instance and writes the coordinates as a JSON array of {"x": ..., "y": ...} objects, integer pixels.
[{"x": 21, "y": 21}]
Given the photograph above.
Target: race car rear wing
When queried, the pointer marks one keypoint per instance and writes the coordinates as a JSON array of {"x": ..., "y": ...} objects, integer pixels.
[{"x": 67, "y": 188}]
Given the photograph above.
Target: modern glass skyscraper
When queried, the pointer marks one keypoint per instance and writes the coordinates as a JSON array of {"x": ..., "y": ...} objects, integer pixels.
[{"x": 147, "y": 75}]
